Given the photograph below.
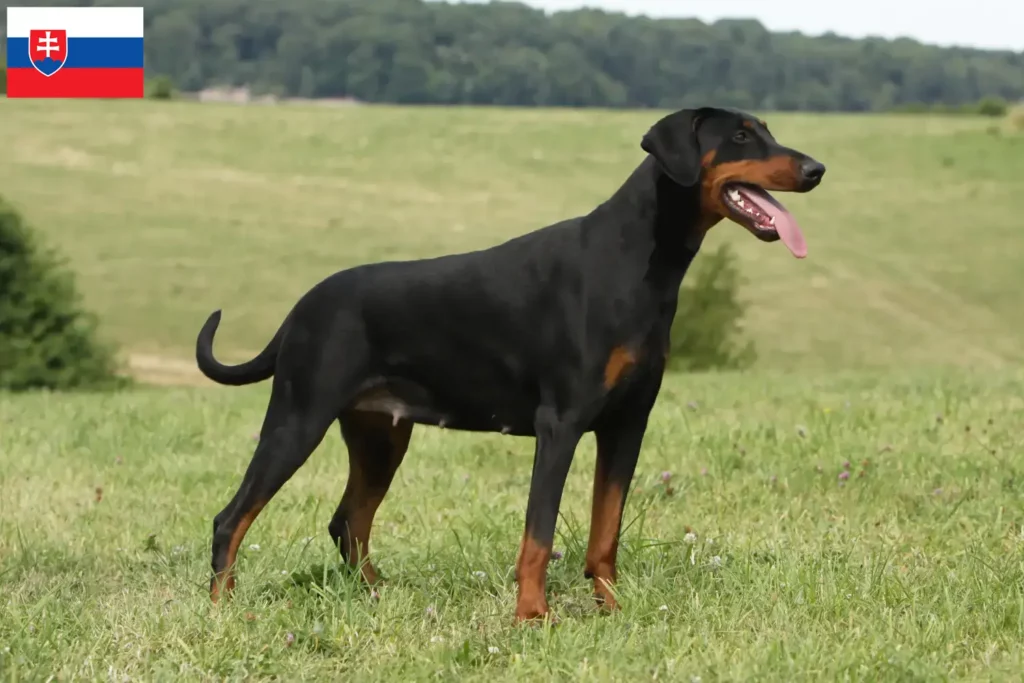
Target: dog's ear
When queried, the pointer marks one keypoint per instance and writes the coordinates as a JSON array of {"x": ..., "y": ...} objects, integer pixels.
[{"x": 672, "y": 142}]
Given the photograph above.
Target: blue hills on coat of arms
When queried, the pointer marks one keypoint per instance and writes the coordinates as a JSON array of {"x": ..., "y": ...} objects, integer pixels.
[{"x": 48, "y": 66}]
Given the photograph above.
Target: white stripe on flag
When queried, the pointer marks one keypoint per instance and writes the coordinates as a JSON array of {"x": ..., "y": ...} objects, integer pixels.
[{"x": 79, "y": 22}]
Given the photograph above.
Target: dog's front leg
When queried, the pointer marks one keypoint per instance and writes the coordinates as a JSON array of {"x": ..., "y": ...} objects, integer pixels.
[
  {"x": 618, "y": 448},
  {"x": 556, "y": 443}
]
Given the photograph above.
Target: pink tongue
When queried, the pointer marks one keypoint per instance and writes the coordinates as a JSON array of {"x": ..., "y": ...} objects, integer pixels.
[{"x": 785, "y": 224}]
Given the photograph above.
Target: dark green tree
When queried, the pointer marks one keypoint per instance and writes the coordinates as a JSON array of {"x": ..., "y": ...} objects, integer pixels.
[
  {"x": 706, "y": 333},
  {"x": 47, "y": 339},
  {"x": 412, "y": 51}
]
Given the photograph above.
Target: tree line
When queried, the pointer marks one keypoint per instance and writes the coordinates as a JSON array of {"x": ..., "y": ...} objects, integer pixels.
[{"x": 416, "y": 52}]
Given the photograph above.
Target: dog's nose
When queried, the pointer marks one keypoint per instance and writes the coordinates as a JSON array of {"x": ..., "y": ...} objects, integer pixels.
[{"x": 812, "y": 170}]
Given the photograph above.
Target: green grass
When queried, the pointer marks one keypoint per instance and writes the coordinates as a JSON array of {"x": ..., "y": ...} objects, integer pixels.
[
  {"x": 896, "y": 346},
  {"x": 170, "y": 210},
  {"x": 913, "y": 571}
]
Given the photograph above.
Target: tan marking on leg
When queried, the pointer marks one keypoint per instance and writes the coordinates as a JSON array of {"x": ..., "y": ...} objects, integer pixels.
[
  {"x": 603, "y": 546},
  {"x": 531, "y": 573},
  {"x": 224, "y": 582}
]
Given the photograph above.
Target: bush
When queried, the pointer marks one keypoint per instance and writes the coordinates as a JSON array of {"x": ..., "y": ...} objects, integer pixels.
[
  {"x": 161, "y": 88},
  {"x": 987, "y": 106},
  {"x": 706, "y": 331},
  {"x": 47, "y": 341},
  {"x": 992, "y": 106}
]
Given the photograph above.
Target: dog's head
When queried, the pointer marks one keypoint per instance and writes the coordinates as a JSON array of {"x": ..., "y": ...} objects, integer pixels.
[{"x": 735, "y": 160}]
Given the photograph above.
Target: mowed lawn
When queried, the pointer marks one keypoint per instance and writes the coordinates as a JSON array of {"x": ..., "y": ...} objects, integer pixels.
[{"x": 851, "y": 509}]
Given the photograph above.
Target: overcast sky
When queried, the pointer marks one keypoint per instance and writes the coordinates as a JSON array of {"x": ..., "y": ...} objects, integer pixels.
[{"x": 995, "y": 24}]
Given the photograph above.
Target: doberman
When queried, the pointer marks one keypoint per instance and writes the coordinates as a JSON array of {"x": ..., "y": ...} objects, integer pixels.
[{"x": 553, "y": 334}]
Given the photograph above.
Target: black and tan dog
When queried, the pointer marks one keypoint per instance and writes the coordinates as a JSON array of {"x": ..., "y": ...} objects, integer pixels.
[{"x": 553, "y": 334}]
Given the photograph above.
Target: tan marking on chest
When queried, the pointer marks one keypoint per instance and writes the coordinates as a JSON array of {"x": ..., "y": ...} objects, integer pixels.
[{"x": 619, "y": 361}]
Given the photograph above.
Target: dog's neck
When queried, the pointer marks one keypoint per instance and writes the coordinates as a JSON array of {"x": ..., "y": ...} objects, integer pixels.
[{"x": 664, "y": 232}]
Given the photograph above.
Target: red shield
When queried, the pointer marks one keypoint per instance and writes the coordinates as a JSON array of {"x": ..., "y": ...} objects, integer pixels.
[{"x": 48, "y": 50}]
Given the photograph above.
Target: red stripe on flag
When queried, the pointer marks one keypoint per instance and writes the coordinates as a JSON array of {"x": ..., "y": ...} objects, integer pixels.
[{"x": 100, "y": 83}]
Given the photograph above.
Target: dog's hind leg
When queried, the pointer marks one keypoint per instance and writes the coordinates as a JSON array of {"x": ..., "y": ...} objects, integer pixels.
[
  {"x": 376, "y": 446},
  {"x": 303, "y": 403}
]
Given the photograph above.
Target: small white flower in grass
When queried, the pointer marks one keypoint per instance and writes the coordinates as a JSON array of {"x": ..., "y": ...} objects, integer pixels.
[
  {"x": 429, "y": 611},
  {"x": 694, "y": 679},
  {"x": 375, "y": 595},
  {"x": 307, "y": 540},
  {"x": 284, "y": 572},
  {"x": 716, "y": 561},
  {"x": 493, "y": 650},
  {"x": 480, "y": 575},
  {"x": 690, "y": 537},
  {"x": 437, "y": 639},
  {"x": 663, "y": 608},
  {"x": 254, "y": 546}
]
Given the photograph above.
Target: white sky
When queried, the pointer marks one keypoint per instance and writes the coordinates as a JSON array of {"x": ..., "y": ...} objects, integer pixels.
[{"x": 993, "y": 24}]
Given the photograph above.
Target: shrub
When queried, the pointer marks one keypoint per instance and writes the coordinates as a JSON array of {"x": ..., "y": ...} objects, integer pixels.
[
  {"x": 706, "y": 332},
  {"x": 161, "y": 88},
  {"x": 992, "y": 106},
  {"x": 47, "y": 341},
  {"x": 987, "y": 106}
]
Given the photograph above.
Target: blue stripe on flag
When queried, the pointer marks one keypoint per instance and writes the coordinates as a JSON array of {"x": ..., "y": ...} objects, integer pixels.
[{"x": 85, "y": 53}]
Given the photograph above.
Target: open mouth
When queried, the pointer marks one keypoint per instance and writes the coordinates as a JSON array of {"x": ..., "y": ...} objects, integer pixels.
[{"x": 762, "y": 215}]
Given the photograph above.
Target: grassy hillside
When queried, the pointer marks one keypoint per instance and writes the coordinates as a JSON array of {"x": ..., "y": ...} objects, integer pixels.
[
  {"x": 171, "y": 210},
  {"x": 911, "y": 571},
  {"x": 861, "y": 520}
]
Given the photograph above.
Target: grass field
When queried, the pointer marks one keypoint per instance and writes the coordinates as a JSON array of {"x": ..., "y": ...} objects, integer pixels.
[
  {"x": 913, "y": 571},
  {"x": 893, "y": 354},
  {"x": 168, "y": 211}
]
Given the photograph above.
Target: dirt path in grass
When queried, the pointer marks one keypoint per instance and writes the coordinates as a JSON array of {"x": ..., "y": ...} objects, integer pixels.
[{"x": 159, "y": 370}]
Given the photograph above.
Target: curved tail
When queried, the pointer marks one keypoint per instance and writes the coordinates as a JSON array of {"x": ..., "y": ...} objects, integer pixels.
[{"x": 256, "y": 370}]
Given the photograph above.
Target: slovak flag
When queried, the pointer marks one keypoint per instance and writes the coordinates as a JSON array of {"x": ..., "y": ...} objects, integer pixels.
[{"x": 75, "y": 52}]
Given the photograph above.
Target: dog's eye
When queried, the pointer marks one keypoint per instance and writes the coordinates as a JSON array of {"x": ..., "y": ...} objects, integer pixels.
[{"x": 741, "y": 137}]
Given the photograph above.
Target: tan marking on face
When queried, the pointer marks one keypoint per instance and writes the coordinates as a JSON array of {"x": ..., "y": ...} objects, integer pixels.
[{"x": 774, "y": 173}]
